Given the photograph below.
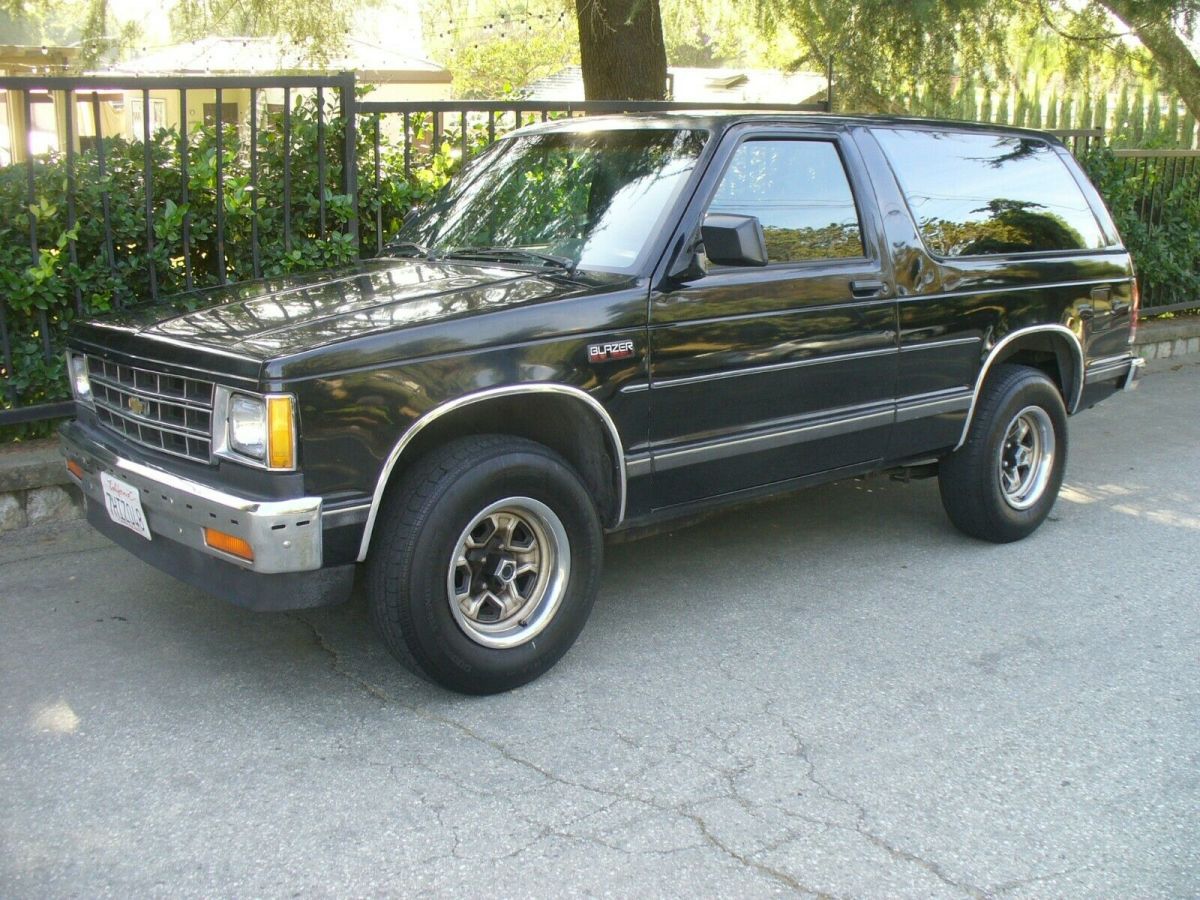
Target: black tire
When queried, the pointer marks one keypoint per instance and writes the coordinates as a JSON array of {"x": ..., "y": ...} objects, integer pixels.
[
  {"x": 419, "y": 534},
  {"x": 970, "y": 478}
]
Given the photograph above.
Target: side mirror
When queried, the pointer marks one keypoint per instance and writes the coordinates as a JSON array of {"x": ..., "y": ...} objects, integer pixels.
[{"x": 731, "y": 240}]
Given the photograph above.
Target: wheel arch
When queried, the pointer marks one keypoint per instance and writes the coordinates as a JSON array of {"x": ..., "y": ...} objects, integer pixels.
[
  {"x": 564, "y": 418},
  {"x": 1055, "y": 349}
]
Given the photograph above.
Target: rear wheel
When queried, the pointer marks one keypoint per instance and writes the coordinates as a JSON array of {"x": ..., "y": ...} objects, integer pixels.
[
  {"x": 485, "y": 564},
  {"x": 1002, "y": 483}
]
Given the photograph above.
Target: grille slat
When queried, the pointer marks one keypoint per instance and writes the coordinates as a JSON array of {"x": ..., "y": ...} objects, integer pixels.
[{"x": 169, "y": 413}]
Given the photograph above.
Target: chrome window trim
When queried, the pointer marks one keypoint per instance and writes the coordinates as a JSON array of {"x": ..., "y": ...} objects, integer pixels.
[
  {"x": 478, "y": 397},
  {"x": 1063, "y": 330}
]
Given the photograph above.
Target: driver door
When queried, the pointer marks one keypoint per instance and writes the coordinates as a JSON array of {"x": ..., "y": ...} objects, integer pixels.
[{"x": 761, "y": 375}]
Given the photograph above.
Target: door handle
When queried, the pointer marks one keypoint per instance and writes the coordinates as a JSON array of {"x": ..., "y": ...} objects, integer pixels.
[{"x": 864, "y": 288}]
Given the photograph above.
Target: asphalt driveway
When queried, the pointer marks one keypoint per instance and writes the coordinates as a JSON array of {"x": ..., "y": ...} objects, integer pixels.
[{"x": 832, "y": 694}]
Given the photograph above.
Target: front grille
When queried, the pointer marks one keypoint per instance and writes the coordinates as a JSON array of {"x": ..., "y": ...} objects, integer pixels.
[{"x": 164, "y": 412}]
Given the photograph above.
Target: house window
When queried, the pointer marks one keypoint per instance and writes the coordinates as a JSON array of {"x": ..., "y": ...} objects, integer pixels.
[{"x": 229, "y": 113}]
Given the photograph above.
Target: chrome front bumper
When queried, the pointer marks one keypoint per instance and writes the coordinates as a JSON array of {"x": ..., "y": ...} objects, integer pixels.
[{"x": 284, "y": 534}]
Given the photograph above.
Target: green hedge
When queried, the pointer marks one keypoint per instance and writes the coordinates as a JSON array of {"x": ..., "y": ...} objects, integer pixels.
[
  {"x": 1166, "y": 250},
  {"x": 1159, "y": 220},
  {"x": 55, "y": 284}
]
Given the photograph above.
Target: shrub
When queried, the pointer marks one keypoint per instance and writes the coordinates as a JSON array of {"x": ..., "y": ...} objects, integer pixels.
[
  {"x": 58, "y": 286},
  {"x": 1159, "y": 220}
]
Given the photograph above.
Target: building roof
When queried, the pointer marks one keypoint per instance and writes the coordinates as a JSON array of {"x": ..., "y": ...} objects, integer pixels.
[
  {"x": 703, "y": 85},
  {"x": 25, "y": 59},
  {"x": 261, "y": 55}
]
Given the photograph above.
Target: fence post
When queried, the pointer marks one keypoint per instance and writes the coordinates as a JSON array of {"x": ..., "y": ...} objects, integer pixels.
[
  {"x": 829, "y": 84},
  {"x": 350, "y": 153}
]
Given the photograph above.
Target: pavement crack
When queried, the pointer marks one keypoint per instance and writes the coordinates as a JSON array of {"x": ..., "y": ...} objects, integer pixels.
[
  {"x": 335, "y": 657},
  {"x": 746, "y": 861},
  {"x": 1033, "y": 879}
]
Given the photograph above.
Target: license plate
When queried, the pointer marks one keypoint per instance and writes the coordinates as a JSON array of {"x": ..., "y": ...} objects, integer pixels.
[{"x": 124, "y": 505}]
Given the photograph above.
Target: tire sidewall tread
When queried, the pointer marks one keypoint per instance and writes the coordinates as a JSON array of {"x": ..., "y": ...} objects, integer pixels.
[
  {"x": 421, "y": 522},
  {"x": 968, "y": 483}
]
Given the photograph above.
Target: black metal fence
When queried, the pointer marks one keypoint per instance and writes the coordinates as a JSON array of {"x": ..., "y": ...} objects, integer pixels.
[
  {"x": 95, "y": 117},
  {"x": 89, "y": 115},
  {"x": 1161, "y": 181},
  {"x": 1079, "y": 140}
]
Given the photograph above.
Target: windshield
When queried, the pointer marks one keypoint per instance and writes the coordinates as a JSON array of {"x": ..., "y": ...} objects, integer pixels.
[{"x": 590, "y": 199}]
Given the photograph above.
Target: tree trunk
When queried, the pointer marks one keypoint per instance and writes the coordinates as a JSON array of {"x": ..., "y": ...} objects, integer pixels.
[
  {"x": 1166, "y": 45},
  {"x": 621, "y": 49}
]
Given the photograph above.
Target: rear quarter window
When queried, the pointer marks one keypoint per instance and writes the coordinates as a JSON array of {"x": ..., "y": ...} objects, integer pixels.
[{"x": 990, "y": 194}]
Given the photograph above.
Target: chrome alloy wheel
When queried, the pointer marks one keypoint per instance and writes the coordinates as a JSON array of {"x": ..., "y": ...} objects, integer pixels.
[
  {"x": 1026, "y": 457},
  {"x": 509, "y": 572}
]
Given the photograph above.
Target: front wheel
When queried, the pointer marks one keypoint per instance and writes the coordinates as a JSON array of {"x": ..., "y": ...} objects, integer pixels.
[
  {"x": 486, "y": 564},
  {"x": 1002, "y": 483}
]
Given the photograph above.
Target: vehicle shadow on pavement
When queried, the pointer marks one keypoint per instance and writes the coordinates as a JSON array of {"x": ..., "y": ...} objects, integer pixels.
[{"x": 652, "y": 582}]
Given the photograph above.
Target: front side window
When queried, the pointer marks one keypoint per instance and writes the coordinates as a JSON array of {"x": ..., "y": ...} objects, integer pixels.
[
  {"x": 592, "y": 198},
  {"x": 986, "y": 194},
  {"x": 799, "y": 191}
]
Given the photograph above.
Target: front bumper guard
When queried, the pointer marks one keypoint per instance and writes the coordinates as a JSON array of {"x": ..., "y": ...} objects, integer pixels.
[{"x": 284, "y": 534}]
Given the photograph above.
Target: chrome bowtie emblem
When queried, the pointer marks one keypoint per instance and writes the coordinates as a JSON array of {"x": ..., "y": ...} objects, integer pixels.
[{"x": 137, "y": 406}]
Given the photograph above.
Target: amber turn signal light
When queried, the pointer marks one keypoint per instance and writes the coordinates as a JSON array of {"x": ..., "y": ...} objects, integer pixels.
[
  {"x": 75, "y": 469},
  {"x": 281, "y": 433},
  {"x": 228, "y": 543}
]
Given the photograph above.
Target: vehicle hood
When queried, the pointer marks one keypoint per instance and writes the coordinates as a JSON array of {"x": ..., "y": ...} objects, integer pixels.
[{"x": 267, "y": 319}]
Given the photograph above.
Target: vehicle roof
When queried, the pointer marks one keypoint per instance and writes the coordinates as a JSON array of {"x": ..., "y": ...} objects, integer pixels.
[{"x": 719, "y": 120}]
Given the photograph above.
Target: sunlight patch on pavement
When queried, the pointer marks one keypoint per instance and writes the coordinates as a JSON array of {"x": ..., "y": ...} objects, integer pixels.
[{"x": 57, "y": 717}]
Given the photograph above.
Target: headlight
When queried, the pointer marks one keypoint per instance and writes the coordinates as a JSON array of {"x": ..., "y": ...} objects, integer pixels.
[
  {"x": 259, "y": 429},
  {"x": 248, "y": 426},
  {"x": 77, "y": 371}
]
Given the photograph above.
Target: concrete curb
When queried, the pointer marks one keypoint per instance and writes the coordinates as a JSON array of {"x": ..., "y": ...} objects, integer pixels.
[
  {"x": 1168, "y": 338},
  {"x": 35, "y": 488}
]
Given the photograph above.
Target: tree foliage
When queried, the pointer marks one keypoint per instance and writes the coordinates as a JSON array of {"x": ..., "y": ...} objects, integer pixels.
[
  {"x": 496, "y": 49},
  {"x": 878, "y": 47}
]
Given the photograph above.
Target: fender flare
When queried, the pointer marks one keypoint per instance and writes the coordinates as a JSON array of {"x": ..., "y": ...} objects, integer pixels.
[
  {"x": 1061, "y": 331},
  {"x": 458, "y": 403}
]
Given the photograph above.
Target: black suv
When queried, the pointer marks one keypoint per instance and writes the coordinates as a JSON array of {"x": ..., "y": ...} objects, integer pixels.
[{"x": 603, "y": 323}]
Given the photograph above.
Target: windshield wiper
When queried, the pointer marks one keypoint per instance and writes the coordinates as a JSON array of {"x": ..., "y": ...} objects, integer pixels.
[
  {"x": 405, "y": 248},
  {"x": 511, "y": 254}
]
